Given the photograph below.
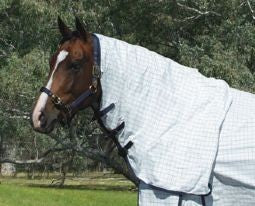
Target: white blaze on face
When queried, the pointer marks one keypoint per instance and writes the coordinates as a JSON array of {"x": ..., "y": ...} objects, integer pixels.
[{"x": 42, "y": 100}]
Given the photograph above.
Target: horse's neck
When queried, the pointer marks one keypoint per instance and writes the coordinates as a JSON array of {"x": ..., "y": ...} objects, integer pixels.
[
  {"x": 115, "y": 76},
  {"x": 114, "y": 55},
  {"x": 119, "y": 63}
]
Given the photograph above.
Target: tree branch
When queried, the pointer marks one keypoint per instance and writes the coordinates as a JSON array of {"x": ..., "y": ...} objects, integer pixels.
[
  {"x": 6, "y": 43},
  {"x": 22, "y": 162},
  {"x": 251, "y": 10},
  {"x": 3, "y": 53},
  {"x": 117, "y": 166},
  {"x": 194, "y": 10},
  {"x": 19, "y": 117},
  {"x": 35, "y": 161},
  {"x": 13, "y": 110},
  {"x": 17, "y": 114}
]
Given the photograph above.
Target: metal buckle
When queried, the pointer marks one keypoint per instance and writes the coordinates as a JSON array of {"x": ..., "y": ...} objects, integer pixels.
[
  {"x": 56, "y": 100},
  {"x": 93, "y": 88},
  {"x": 96, "y": 72}
]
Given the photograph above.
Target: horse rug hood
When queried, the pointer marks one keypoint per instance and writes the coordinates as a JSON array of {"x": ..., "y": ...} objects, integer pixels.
[{"x": 172, "y": 113}]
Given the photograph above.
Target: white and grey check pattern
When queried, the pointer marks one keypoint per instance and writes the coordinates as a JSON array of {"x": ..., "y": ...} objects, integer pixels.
[{"x": 179, "y": 122}]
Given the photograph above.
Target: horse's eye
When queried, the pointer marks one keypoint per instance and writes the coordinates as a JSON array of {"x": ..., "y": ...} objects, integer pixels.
[{"x": 75, "y": 66}]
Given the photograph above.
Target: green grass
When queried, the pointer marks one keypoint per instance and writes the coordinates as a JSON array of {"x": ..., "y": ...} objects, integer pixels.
[{"x": 98, "y": 191}]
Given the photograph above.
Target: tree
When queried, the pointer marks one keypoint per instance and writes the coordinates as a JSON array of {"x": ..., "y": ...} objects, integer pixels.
[{"x": 217, "y": 37}]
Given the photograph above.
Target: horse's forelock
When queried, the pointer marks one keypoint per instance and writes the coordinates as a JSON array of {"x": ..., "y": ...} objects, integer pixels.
[{"x": 72, "y": 35}]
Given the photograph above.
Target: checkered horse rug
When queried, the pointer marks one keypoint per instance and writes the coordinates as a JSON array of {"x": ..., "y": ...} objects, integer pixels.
[{"x": 188, "y": 131}]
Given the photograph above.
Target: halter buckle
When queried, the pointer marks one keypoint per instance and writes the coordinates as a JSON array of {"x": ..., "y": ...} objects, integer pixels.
[
  {"x": 60, "y": 105},
  {"x": 93, "y": 87},
  {"x": 56, "y": 100},
  {"x": 96, "y": 72}
]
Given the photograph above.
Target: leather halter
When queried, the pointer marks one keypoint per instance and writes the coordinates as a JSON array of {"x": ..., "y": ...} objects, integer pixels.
[{"x": 68, "y": 109}]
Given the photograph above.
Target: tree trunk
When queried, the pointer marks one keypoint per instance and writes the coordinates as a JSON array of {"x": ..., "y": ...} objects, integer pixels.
[{"x": 8, "y": 152}]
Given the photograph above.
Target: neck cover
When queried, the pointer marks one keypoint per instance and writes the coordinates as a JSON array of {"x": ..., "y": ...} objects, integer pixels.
[{"x": 172, "y": 113}]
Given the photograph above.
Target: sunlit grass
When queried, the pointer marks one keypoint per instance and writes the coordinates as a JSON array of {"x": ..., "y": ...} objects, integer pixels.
[{"x": 96, "y": 191}]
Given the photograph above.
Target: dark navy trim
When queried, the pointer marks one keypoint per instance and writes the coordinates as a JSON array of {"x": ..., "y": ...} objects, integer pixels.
[
  {"x": 181, "y": 194},
  {"x": 78, "y": 102},
  {"x": 180, "y": 200},
  {"x": 47, "y": 91},
  {"x": 96, "y": 50},
  {"x": 106, "y": 110}
]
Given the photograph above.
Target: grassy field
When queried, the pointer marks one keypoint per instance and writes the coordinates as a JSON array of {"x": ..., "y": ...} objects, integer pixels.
[{"x": 96, "y": 190}]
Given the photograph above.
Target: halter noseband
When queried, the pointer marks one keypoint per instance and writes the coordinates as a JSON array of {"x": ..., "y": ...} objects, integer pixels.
[{"x": 68, "y": 109}]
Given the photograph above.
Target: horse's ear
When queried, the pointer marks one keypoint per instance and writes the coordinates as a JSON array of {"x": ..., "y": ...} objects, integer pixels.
[
  {"x": 64, "y": 30},
  {"x": 80, "y": 28}
]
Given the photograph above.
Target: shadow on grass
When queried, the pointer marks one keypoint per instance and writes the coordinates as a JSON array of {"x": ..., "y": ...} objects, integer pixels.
[{"x": 87, "y": 187}]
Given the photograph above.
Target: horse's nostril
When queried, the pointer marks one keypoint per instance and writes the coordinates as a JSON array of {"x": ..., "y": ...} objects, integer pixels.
[
  {"x": 43, "y": 120},
  {"x": 41, "y": 116}
]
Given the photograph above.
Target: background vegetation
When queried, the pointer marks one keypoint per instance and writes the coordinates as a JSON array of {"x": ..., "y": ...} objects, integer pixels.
[{"x": 215, "y": 36}]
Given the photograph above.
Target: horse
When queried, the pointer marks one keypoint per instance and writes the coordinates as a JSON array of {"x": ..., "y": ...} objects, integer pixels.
[{"x": 189, "y": 139}]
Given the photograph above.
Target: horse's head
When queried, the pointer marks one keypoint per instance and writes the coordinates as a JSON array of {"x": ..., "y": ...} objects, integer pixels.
[{"x": 71, "y": 73}]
